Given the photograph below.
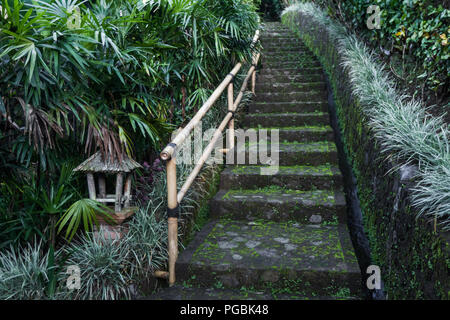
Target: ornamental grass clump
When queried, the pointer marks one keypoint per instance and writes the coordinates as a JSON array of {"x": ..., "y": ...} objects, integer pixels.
[
  {"x": 147, "y": 241},
  {"x": 24, "y": 273},
  {"x": 104, "y": 265}
]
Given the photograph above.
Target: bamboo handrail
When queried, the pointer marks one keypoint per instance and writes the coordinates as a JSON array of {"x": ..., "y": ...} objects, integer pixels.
[
  {"x": 168, "y": 154},
  {"x": 183, "y": 134}
]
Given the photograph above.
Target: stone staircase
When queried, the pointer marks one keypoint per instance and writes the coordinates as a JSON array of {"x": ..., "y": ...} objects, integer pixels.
[{"x": 281, "y": 236}]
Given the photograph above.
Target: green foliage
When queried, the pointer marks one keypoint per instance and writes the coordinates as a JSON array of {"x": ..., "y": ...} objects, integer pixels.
[
  {"x": 104, "y": 268},
  {"x": 32, "y": 209},
  {"x": 114, "y": 76},
  {"x": 147, "y": 241},
  {"x": 271, "y": 9},
  {"x": 417, "y": 30},
  {"x": 86, "y": 211},
  {"x": 24, "y": 273},
  {"x": 116, "y": 71}
]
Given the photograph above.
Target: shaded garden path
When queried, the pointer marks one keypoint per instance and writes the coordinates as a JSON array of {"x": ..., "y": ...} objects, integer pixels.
[{"x": 281, "y": 236}]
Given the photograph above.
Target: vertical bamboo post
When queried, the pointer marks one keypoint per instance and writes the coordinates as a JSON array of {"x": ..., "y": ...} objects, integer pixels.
[
  {"x": 119, "y": 189},
  {"x": 253, "y": 81},
  {"x": 172, "y": 205},
  {"x": 254, "y": 64},
  {"x": 91, "y": 186},
  {"x": 231, "y": 123}
]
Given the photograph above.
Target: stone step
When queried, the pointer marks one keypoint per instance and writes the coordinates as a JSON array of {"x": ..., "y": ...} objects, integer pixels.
[
  {"x": 271, "y": 27},
  {"x": 280, "y": 77},
  {"x": 266, "y": 86},
  {"x": 310, "y": 96},
  {"x": 301, "y": 133},
  {"x": 310, "y": 260},
  {"x": 187, "y": 292},
  {"x": 325, "y": 177},
  {"x": 278, "y": 29},
  {"x": 281, "y": 41},
  {"x": 292, "y": 56},
  {"x": 277, "y": 35},
  {"x": 290, "y": 154},
  {"x": 281, "y": 107},
  {"x": 275, "y": 203},
  {"x": 270, "y": 120},
  {"x": 271, "y": 49},
  {"x": 292, "y": 72},
  {"x": 290, "y": 64}
]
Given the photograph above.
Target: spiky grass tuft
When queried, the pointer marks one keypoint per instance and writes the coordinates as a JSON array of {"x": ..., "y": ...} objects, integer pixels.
[
  {"x": 104, "y": 268},
  {"x": 24, "y": 273}
]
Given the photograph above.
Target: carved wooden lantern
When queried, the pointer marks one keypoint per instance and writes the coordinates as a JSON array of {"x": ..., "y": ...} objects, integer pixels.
[{"x": 104, "y": 171}]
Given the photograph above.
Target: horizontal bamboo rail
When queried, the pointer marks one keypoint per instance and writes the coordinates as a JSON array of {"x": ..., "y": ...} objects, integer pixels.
[{"x": 168, "y": 154}]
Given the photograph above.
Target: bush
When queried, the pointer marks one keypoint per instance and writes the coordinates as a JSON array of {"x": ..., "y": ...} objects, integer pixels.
[
  {"x": 415, "y": 30},
  {"x": 24, "y": 273},
  {"x": 116, "y": 76},
  {"x": 147, "y": 241},
  {"x": 271, "y": 9},
  {"x": 105, "y": 269}
]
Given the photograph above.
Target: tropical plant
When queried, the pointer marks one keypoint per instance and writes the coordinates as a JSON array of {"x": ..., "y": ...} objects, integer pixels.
[
  {"x": 413, "y": 36},
  {"x": 114, "y": 76},
  {"x": 85, "y": 211},
  {"x": 147, "y": 241},
  {"x": 104, "y": 268}
]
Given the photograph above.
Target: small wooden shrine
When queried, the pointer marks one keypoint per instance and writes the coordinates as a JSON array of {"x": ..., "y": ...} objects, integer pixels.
[{"x": 104, "y": 171}]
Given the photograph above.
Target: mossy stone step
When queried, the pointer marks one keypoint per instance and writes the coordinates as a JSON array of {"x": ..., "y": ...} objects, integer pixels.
[
  {"x": 271, "y": 49},
  {"x": 310, "y": 96},
  {"x": 290, "y": 154},
  {"x": 281, "y": 43},
  {"x": 282, "y": 107},
  {"x": 292, "y": 57},
  {"x": 310, "y": 260},
  {"x": 291, "y": 72},
  {"x": 266, "y": 120},
  {"x": 187, "y": 292},
  {"x": 290, "y": 64},
  {"x": 288, "y": 86},
  {"x": 278, "y": 204},
  {"x": 301, "y": 133},
  {"x": 281, "y": 38},
  {"x": 277, "y": 34},
  {"x": 287, "y": 78},
  {"x": 325, "y": 177}
]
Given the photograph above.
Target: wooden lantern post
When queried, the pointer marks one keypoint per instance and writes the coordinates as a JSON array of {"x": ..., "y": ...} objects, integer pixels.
[{"x": 120, "y": 201}]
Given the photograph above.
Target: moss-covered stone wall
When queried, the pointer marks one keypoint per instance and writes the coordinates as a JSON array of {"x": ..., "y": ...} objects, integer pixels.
[{"x": 413, "y": 254}]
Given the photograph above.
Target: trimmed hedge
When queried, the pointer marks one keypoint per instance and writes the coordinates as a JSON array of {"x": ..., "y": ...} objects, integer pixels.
[{"x": 400, "y": 157}]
